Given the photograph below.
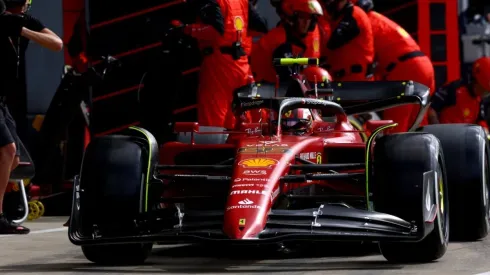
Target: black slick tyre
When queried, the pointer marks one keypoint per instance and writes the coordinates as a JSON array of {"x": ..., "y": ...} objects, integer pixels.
[
  {"x": 410, "y": 183},
  {"x": 466, "y": 154}
]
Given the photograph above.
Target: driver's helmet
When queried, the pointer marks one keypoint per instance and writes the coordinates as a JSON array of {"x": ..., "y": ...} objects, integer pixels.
[
  {"x": 296, "y": 122},
  {"x": 301, "y": 15}
]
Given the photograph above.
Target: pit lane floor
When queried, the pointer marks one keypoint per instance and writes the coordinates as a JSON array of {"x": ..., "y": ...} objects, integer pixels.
[{"x": 47, "y": 251}]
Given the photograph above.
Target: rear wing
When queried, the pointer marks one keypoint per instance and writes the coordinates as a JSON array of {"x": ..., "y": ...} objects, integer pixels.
[{"x": 368, "y": 96}]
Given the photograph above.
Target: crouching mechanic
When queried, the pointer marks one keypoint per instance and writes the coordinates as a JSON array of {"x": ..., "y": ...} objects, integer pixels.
[
  {"x": 297, "y": 36},
  {"x": 221, "y": 31},
  {"x": 398, "y": 58},
  {"x": 16, "y": 29},
  {"x": 459, "y": 102},
  {"x": 347, "y": 45}
]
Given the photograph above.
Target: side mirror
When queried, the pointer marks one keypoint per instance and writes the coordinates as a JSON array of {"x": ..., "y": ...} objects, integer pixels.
[
  {"x": 185, "y": 127},
  {"x": 372, "y": 125}
]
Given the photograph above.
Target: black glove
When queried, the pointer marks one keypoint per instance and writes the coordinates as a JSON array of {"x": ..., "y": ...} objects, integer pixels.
[{"x": 11, "y": 24}]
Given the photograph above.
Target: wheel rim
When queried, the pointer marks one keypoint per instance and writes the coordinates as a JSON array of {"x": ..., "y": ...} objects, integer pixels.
[
  {"x": 442, "y": 214},
  {"x": 485, "y": 189}
]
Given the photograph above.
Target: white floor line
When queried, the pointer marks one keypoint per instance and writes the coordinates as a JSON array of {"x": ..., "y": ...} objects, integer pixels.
[
  {"x": 484, "y": 273},
  {"x": 59, "y": 229}
]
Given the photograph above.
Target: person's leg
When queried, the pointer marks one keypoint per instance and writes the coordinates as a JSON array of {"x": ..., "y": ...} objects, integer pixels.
[{"x": 9, "y": 159}]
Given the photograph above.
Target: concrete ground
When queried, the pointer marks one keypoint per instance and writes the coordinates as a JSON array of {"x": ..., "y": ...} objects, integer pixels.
[{"x": 47, "y": 251}]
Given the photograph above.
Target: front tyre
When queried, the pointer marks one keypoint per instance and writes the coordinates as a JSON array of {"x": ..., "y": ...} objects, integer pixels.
[
  {"x": 123, "y": 254},
  {"x": 410, "y": 183}
]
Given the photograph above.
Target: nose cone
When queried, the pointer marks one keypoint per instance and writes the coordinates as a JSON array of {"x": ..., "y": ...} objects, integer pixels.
[{"x": 246, "y": 216}]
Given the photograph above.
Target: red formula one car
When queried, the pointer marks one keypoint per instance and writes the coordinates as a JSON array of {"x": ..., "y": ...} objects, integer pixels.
[{"x": 303, "y": 173}]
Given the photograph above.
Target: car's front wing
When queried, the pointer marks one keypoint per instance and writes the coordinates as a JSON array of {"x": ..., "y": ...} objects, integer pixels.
[{"x": 327, "y": 223}]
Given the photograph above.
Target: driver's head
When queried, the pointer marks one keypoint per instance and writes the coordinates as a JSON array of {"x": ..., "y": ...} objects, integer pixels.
[
  {"x": 301, "y": 15},
  {"x": 481, "y": 76},
  {"x": 296, "y": 122}
]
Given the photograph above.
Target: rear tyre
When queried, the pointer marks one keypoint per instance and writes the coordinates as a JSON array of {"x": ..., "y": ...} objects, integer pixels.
[
  {"x": 466, "y": 159},
  {"x": 410, "y": 183},
  {"x": 125, "y": 254}
]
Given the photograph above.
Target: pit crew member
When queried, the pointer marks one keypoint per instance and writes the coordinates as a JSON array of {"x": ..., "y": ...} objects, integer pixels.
[
  {"x": 221, "y": 32},
  {"x": 398, "y": 57},
  {"x": 297, "y": 36},
  {"x": 17, "y": 28},
  {"x": 459, "y": 102},
  {"x": 349, "y": 49}
]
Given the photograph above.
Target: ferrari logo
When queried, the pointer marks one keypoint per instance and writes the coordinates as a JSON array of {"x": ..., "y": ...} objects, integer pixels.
[
  {"x": 238, "y": 23},
  {"x": 258, "y": 163},
  {"x": 466, "y": 112},
  {"x": 288, "y": 114},
  {"x": 242, "y": 222},
  {"x": 318, "y": 158}
]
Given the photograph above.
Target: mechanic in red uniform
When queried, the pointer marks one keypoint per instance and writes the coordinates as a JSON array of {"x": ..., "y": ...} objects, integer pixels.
[
  {"x": 221, "y": 32},
  {"x": 297, "y": 36},
  {"x": 398, "y": 57},
  {"x": 349, "y": 49},
  {"x": 459, "y": 102}
]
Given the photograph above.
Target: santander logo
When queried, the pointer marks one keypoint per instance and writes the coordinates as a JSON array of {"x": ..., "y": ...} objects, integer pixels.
[{"x": 246, "y": 201}]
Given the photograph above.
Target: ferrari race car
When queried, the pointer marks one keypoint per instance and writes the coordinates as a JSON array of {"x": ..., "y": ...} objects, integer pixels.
[{"x": 268, "y": 183}]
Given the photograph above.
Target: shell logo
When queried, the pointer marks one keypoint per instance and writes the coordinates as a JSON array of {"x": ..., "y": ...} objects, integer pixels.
[
  {"x": 316, "y": 45},
  {"x": 239, "y": 23},
  {"x": 258, "y": 163},
  {"x": 466, "y": 112}
]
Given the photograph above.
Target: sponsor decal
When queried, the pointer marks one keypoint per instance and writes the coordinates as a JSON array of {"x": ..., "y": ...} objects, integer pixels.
[
  {"x": 253, "y": 103},
  {"x": 249, "y": 192},
  {"x": 243, "y": 185},
  {"x": 251, "y": 179},
  {"x": 258, "y": 163},
  {"x": 312, "y": 156},
  {"x": 246, "y": 201},
  {"x": 256, "y": 149},
  {"x": 271, "y": 145},
  {"x": 242, "y": 222},
  {"x": 245, "y": 204},
  {"x": 288, "y": 113},
  {"x": 325, "y": 129},
  {"x": 253, "y": 131},
  {"x": 238, "y": 23},
  {"x": 242, "y": 207},
  {"x": 270, "y": 142},
  {"x": 255, "y": 172},
  {"x": 313, "y": 102}
]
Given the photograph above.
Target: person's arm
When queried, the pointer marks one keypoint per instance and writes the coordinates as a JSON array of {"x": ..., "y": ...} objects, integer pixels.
[
  {"x": 256, "y": 23},
  {"x": 212, "y": 22},
  {"x": 34, "y": 30}
]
